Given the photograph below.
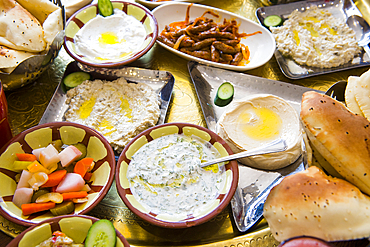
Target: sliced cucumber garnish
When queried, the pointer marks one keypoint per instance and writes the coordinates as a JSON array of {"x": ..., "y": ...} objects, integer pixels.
[
  {"x": 105, "y": 7},
  {"x": 225, "y": 94},
  {"x": 101, "y": 233},
  {"x": 63, "y": 208},
  {"x": 273, "y": 21},
  {"x": 76, "y": 78}
]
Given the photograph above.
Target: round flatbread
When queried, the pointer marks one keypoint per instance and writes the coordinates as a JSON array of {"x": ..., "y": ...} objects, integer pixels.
[
  {"x": 349, "y": 95},
  {"x": 362, "y": 94},
  {"x": 19, "y": 29},
  {"x": 10, "y": 58},
  {"x": 40, "y": 9}
]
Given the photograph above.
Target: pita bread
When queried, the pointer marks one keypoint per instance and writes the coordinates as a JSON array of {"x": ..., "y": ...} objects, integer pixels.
[
  {"x": 362, "y": 94},
  {"x": 349, "y": 95},
  {"x": 19, "y": 29},
  {"x": 40, "y": 9},
  {"x": 10, "y": 58},
  {"x": 52, "y": 26},
  {"x": 341, "y": 137},
  {"x": 313, "y": 204}
]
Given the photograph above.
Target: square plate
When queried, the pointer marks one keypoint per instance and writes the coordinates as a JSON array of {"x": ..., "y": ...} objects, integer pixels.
[
  {"x": 254, "y": 184},
  {"x": 288, "y": 66},
  {"x": 162, "y": 83}
]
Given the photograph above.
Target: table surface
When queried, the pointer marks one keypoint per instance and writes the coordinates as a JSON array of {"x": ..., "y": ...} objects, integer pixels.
[{"x": 27, "y": 104}]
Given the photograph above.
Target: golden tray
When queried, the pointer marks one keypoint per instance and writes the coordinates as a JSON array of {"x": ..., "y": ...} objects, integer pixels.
[{"x": 27, "y": 105}]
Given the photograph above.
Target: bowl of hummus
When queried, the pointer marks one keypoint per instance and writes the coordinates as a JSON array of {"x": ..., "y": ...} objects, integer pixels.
[
  {"x": 159, "y": 176},
  {"x": 110, "y": 41}
]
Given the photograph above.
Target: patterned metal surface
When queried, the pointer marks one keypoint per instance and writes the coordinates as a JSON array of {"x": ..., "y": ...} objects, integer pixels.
[{"x": 27, "y": 104}]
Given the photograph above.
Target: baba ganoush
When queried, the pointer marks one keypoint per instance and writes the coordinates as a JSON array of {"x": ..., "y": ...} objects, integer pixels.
[
  {"x": 59, "y": 239},
  {"x": 165, "y": 176},
  {"x": 316, "y": 38},
  {"x": 110, "y": 38},
  {"x": 257, "y": 120},
  {"x": 117, "y": 109}
]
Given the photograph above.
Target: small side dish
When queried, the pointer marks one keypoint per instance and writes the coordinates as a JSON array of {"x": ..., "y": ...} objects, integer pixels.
[
  {"x": 316, "y": 38},
  {"x": 71, "y": 231},
  {"x": 206, "y": 39},
  {"x": 54, "y": 169},
  {"x": 256, "y": 120},
  {"x": 160, "y": 179},
  {"x": 117, "y": 109}
]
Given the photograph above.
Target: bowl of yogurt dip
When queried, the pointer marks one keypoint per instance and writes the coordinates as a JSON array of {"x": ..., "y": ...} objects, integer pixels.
[
  {"x": 159, "y": 177},
  {"x": 111, "y": 41}
]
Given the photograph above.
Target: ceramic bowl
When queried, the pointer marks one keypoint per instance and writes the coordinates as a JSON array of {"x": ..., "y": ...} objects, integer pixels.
[
  {"x": 225, "y": 193},
  {"x": 74, "y": 226},
  {"x": 155, "y": 3},
  {"x": 261, "y": 46},
  {"x": 81, "y": 17},
  {"x": 98, "y": 148}
]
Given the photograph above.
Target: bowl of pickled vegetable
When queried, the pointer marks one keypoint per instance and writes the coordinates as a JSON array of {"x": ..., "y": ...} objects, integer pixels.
[
  {"x": 71, "y": 230},
  {"x": 54, "y": 169}
]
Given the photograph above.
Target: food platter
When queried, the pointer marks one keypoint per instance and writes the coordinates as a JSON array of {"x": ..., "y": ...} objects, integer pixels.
[
  {"x": 288, "y": 66},
  {"x": 254, "y": 184},
  {"x": 161, "y": 81},
  {"x": 261, "y": 46}
]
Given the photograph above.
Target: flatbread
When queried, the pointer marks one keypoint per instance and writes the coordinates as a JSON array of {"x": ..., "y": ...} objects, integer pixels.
[
  {"x": 52, "y": 26},
  {"x": 41, "y": 9},
  {"x": 349, "y": 95},
  {"x": 19, "y": 29},
  {"x": 313, "y": 204},
  {"x": 362, "y": 94},
  {"x": 9, "y": 58},
  {"x": 341, "y": 137}
]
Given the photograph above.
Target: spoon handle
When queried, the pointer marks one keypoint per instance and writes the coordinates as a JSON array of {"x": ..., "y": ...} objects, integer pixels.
[{"x": 272, "y": 147}]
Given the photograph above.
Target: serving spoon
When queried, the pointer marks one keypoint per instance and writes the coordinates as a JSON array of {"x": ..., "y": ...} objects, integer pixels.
[
  {"x": 362, "y": 29},
  {"x": 272, "y": 147}
]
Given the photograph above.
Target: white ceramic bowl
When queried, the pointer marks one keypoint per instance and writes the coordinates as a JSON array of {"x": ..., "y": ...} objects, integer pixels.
[{"x": 261, "y": 46}]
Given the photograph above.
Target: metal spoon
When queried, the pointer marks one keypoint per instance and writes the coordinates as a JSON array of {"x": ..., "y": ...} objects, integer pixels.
[
  {"x": 362, "y": 29},
  {"x": 272, "y": 147}
]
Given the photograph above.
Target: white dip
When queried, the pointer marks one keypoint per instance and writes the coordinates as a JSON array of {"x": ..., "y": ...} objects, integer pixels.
[
  {"x": 316, "y": 38},
  {"x": 166, "y": 178},
  {"x": 117, "y": 109},
  {"x": 110, "y": 38}
]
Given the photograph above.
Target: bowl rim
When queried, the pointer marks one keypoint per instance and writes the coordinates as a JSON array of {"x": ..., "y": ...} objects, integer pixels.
[
  {"x": 114, "y": 64},
  {"x": 102, "y": 193},
  {"x": 186, "y": 223},
  {"x": 55, "y": 220}
]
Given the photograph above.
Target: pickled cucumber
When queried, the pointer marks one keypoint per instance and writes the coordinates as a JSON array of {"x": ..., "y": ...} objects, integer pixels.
[{"x": 63, "y": 208}]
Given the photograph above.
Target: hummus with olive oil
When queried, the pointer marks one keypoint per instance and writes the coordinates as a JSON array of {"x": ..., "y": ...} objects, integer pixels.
[
  {"x": 165, "y": 176},
  {"x": 316, "y": 38},
  {"x": 117, "y": 109}
]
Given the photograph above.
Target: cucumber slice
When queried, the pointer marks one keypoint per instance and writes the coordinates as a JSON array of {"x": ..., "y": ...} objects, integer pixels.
[
  {"x": 225, "y": 94},
  {"x": 63, "y": 208},
  {"x": 76, "y": 78},
  {"x": 38, "y": 193},
  {"x": 105, "y": 7},
  {"x": 273, "y": 21},
  {"x": 101, "y": 233}
]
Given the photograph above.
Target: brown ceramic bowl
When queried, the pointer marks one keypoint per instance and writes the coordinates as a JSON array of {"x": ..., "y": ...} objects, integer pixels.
[
  {"x": 74, "y": 226},
  {"x": 225, "y": 193},
  {"x": 82, "y": 16},
  {"x": 40, "y": 136}
]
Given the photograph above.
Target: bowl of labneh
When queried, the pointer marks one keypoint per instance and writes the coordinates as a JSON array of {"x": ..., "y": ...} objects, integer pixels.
[
  {"x": 54, "y": 169},
  {"x": 159, "y": 176},
  {"x": 113, "y": 40}
]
